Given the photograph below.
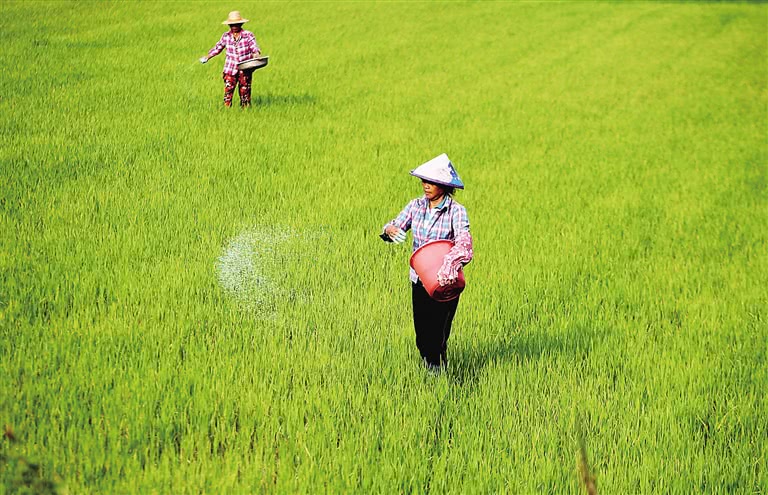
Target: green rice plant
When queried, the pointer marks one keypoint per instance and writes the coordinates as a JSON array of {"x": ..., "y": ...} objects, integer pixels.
[{"x": 195, "y": 299}]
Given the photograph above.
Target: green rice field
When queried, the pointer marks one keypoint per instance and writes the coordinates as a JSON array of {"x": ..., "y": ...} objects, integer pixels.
[{"x": 195, "y": 299}]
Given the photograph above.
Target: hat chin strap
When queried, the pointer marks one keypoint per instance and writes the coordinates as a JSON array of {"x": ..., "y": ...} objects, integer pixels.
[{"x": 436, "y": 201}]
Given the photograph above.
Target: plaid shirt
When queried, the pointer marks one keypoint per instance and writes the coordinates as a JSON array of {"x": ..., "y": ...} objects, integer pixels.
[
  {"x": 445, "y": 221},
  {"x": 237, "y": 51}
]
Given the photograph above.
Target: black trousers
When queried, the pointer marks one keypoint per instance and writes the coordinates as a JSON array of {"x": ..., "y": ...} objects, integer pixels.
[{"x": 432, "y": 321}]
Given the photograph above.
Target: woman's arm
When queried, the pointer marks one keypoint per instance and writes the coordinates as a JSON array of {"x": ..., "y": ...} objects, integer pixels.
[
  {"x": 255, "y": 50},
  {"x": 218, "y": 47},
  {"x": 401, "y": 223},
  {"x": 461, "y": 253}
]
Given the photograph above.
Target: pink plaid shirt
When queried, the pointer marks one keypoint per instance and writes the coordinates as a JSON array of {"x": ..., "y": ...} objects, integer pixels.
[
  {"x": 446, "y": 221},
  {"x": 237, "y": 51}
]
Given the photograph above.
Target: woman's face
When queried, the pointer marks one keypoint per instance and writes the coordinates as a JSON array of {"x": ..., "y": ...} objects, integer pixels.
[
  {"x": 235, "y": 28},
  {"x": 432, "y": 191}
]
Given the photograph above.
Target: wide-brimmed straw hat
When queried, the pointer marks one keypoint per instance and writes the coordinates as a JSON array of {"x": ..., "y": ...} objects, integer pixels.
[
  {"x": 235, "y": 18},
  {"x": 439, "y": 170}
]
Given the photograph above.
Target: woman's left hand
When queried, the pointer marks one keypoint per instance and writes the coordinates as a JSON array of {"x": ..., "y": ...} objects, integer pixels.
[{"x": 445, "y": 277}]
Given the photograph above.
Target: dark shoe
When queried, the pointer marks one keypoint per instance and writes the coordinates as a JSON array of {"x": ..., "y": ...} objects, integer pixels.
[{"x": 435, "y": 369}]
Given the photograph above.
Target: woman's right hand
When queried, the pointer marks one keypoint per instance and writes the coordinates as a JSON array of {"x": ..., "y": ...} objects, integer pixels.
[{"x": 397, "y": 235}]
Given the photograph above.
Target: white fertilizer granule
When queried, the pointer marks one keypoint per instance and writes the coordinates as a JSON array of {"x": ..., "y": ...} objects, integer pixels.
[{"x": 252, "y": 268}]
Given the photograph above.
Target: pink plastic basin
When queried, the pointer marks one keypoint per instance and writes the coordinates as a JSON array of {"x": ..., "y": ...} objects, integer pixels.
[{"x": 426, "y": 261}]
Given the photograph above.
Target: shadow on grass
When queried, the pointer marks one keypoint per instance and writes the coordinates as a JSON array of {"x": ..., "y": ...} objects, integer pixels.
[
  {"x": 287, "y": 100},
  {"x": 18, "y": 474},
  {"x": 468, "y": 360}
]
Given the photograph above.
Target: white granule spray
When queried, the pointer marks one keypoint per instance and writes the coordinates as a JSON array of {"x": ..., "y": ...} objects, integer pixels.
[{"x": 252, "y": 268}]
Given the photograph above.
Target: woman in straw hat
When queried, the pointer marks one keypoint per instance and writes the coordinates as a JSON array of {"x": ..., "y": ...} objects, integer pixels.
[
  {"x": 434, "y": 216},
  {"x": 241, "y": 46}
]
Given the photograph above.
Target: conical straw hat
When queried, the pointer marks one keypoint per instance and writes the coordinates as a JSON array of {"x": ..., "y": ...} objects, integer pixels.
[
  {"x": 439, "y": 170},
  {"x": 235, "y": 18}
]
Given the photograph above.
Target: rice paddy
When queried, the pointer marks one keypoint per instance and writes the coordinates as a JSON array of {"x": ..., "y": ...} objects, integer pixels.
[{"x": 195, "y": 299}]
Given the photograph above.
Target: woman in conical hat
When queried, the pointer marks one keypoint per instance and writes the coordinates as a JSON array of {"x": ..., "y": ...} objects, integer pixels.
[
  {"x": 434, "y": 216},
  {"x": 241, "y": 46}
]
